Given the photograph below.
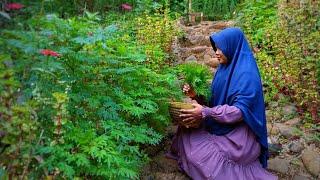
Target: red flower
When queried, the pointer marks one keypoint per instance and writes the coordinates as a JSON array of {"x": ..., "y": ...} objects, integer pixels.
[
  {"x": 126, "y": 7},
  {"x": 13, "y": 6},
  {"x": 48, "y": 52}
]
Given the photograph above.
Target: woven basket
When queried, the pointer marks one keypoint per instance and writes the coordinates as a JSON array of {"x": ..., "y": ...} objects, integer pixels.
[{"x": 174, "y": 110}]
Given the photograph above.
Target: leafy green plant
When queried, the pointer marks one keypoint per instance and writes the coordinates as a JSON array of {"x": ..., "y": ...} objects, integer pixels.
[
  {"x": 215, "y": 9},
  {"x": 156, "y": 32},
  {"x": 18, "y": 123},
  {"x": 95, "y": 98},
  {"x": 262, "y": 14},
  {"x": 198, "y": 76}
]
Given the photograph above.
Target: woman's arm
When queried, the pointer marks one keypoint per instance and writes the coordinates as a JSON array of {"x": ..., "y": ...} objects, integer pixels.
[{"x": 223, "y": 113}]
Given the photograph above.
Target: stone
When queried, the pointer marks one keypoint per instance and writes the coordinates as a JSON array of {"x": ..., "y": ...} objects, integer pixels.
[
  {"x": 183, "y": 50},
  {"x": 296, "y": 146},
  {"x": 189, "y": 31},
  {"x": 197, "y": 33},
  {"x": 199, "y": 49},
  {"x": 191, "y": 58},
  {"x": 197, "y": 39},
  {"x": 289, "y": 109},
  {"x": 197, "y": 26},
  {"x": 274, "y": 130},
  {"x": 219, "y": 25},
  {"x": 279, "y": 165},
  {"x": 293, "y": 122},
  {"x": 300, "y": 177},
  {"x": 285, "y": 130},
  {"x": 274, "y": 149},
  {"x": 311, "y": 160}
]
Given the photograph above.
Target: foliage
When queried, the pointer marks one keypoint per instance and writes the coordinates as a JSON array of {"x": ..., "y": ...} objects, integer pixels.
[
  {"x": 197, "y": 76},
  {"x": 261, "y": 14},
  {"x": 299, "y": 27},
  {"x": 18, "y": 123},
  {"x": 70, "y": 8},
  {"x": 97, "y": 102},
  {"x": 77, "y": 7},
  {"x": 156, "y": 32},
  {"x": 178, "y": 6},
  {"x": 256, "y": 19},
  {"x": 287, "y": 48},
  {"x": 215, "y": 9}
]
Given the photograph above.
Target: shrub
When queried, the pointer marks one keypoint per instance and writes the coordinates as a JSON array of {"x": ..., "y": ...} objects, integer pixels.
[
  {"x": 94, "y": 98},
  {"x": 156, "y": 33},
  {"x": 287, "y": 48}
]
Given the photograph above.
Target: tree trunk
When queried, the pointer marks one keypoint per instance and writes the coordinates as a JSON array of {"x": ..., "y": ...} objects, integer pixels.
[{"x": 189, "y": 10}]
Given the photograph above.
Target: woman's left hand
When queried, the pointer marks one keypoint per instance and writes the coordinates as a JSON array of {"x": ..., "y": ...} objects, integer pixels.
[{"x": 192, "y": 117}]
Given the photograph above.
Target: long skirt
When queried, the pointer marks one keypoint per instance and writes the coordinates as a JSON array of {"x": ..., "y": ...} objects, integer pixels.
[{"x": 234, "y": 156}]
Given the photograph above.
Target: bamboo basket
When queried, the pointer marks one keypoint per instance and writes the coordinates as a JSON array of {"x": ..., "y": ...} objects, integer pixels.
[{"x": 174, "y": 110}]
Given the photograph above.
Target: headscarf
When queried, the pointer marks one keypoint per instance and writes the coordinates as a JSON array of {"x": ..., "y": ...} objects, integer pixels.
[{"x": 238, "y": 84}]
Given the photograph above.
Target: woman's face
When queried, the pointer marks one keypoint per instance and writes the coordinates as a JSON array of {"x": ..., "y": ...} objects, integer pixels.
[{"x": 221, "y": 57}]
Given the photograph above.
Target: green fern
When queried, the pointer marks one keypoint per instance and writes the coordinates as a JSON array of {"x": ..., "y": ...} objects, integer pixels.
[{"x": 197, "y": 76}]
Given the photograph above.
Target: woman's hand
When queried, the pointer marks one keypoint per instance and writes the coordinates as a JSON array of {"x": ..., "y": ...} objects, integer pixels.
[
  {"x": 192, "y": 117},
  {"x": 188, "y": 90}
]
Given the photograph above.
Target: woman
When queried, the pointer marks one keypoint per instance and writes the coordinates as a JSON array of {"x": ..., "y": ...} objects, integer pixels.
[{"x": 231, "y": 141}]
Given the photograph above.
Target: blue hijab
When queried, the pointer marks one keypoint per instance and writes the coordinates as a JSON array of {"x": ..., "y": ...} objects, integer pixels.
[{"x": 238, "y": 83}]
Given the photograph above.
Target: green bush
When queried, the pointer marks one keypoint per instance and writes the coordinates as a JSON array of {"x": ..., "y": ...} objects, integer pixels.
[
  {"x": 95, "y": 100},
  {"x": 156, "y": 33},
  {"x": 18, "y": 123},
  {"x": 287, "y": 48}
]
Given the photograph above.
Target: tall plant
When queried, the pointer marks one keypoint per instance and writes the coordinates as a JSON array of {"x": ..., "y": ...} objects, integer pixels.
[{"x": 215, "y": 9}]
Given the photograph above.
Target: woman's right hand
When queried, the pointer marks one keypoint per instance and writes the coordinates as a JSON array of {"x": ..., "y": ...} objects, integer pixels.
[{"x": 188, "y": 90}]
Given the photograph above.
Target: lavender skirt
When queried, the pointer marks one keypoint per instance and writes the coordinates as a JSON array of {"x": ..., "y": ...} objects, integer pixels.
[{"x": 234, "y": 156}]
